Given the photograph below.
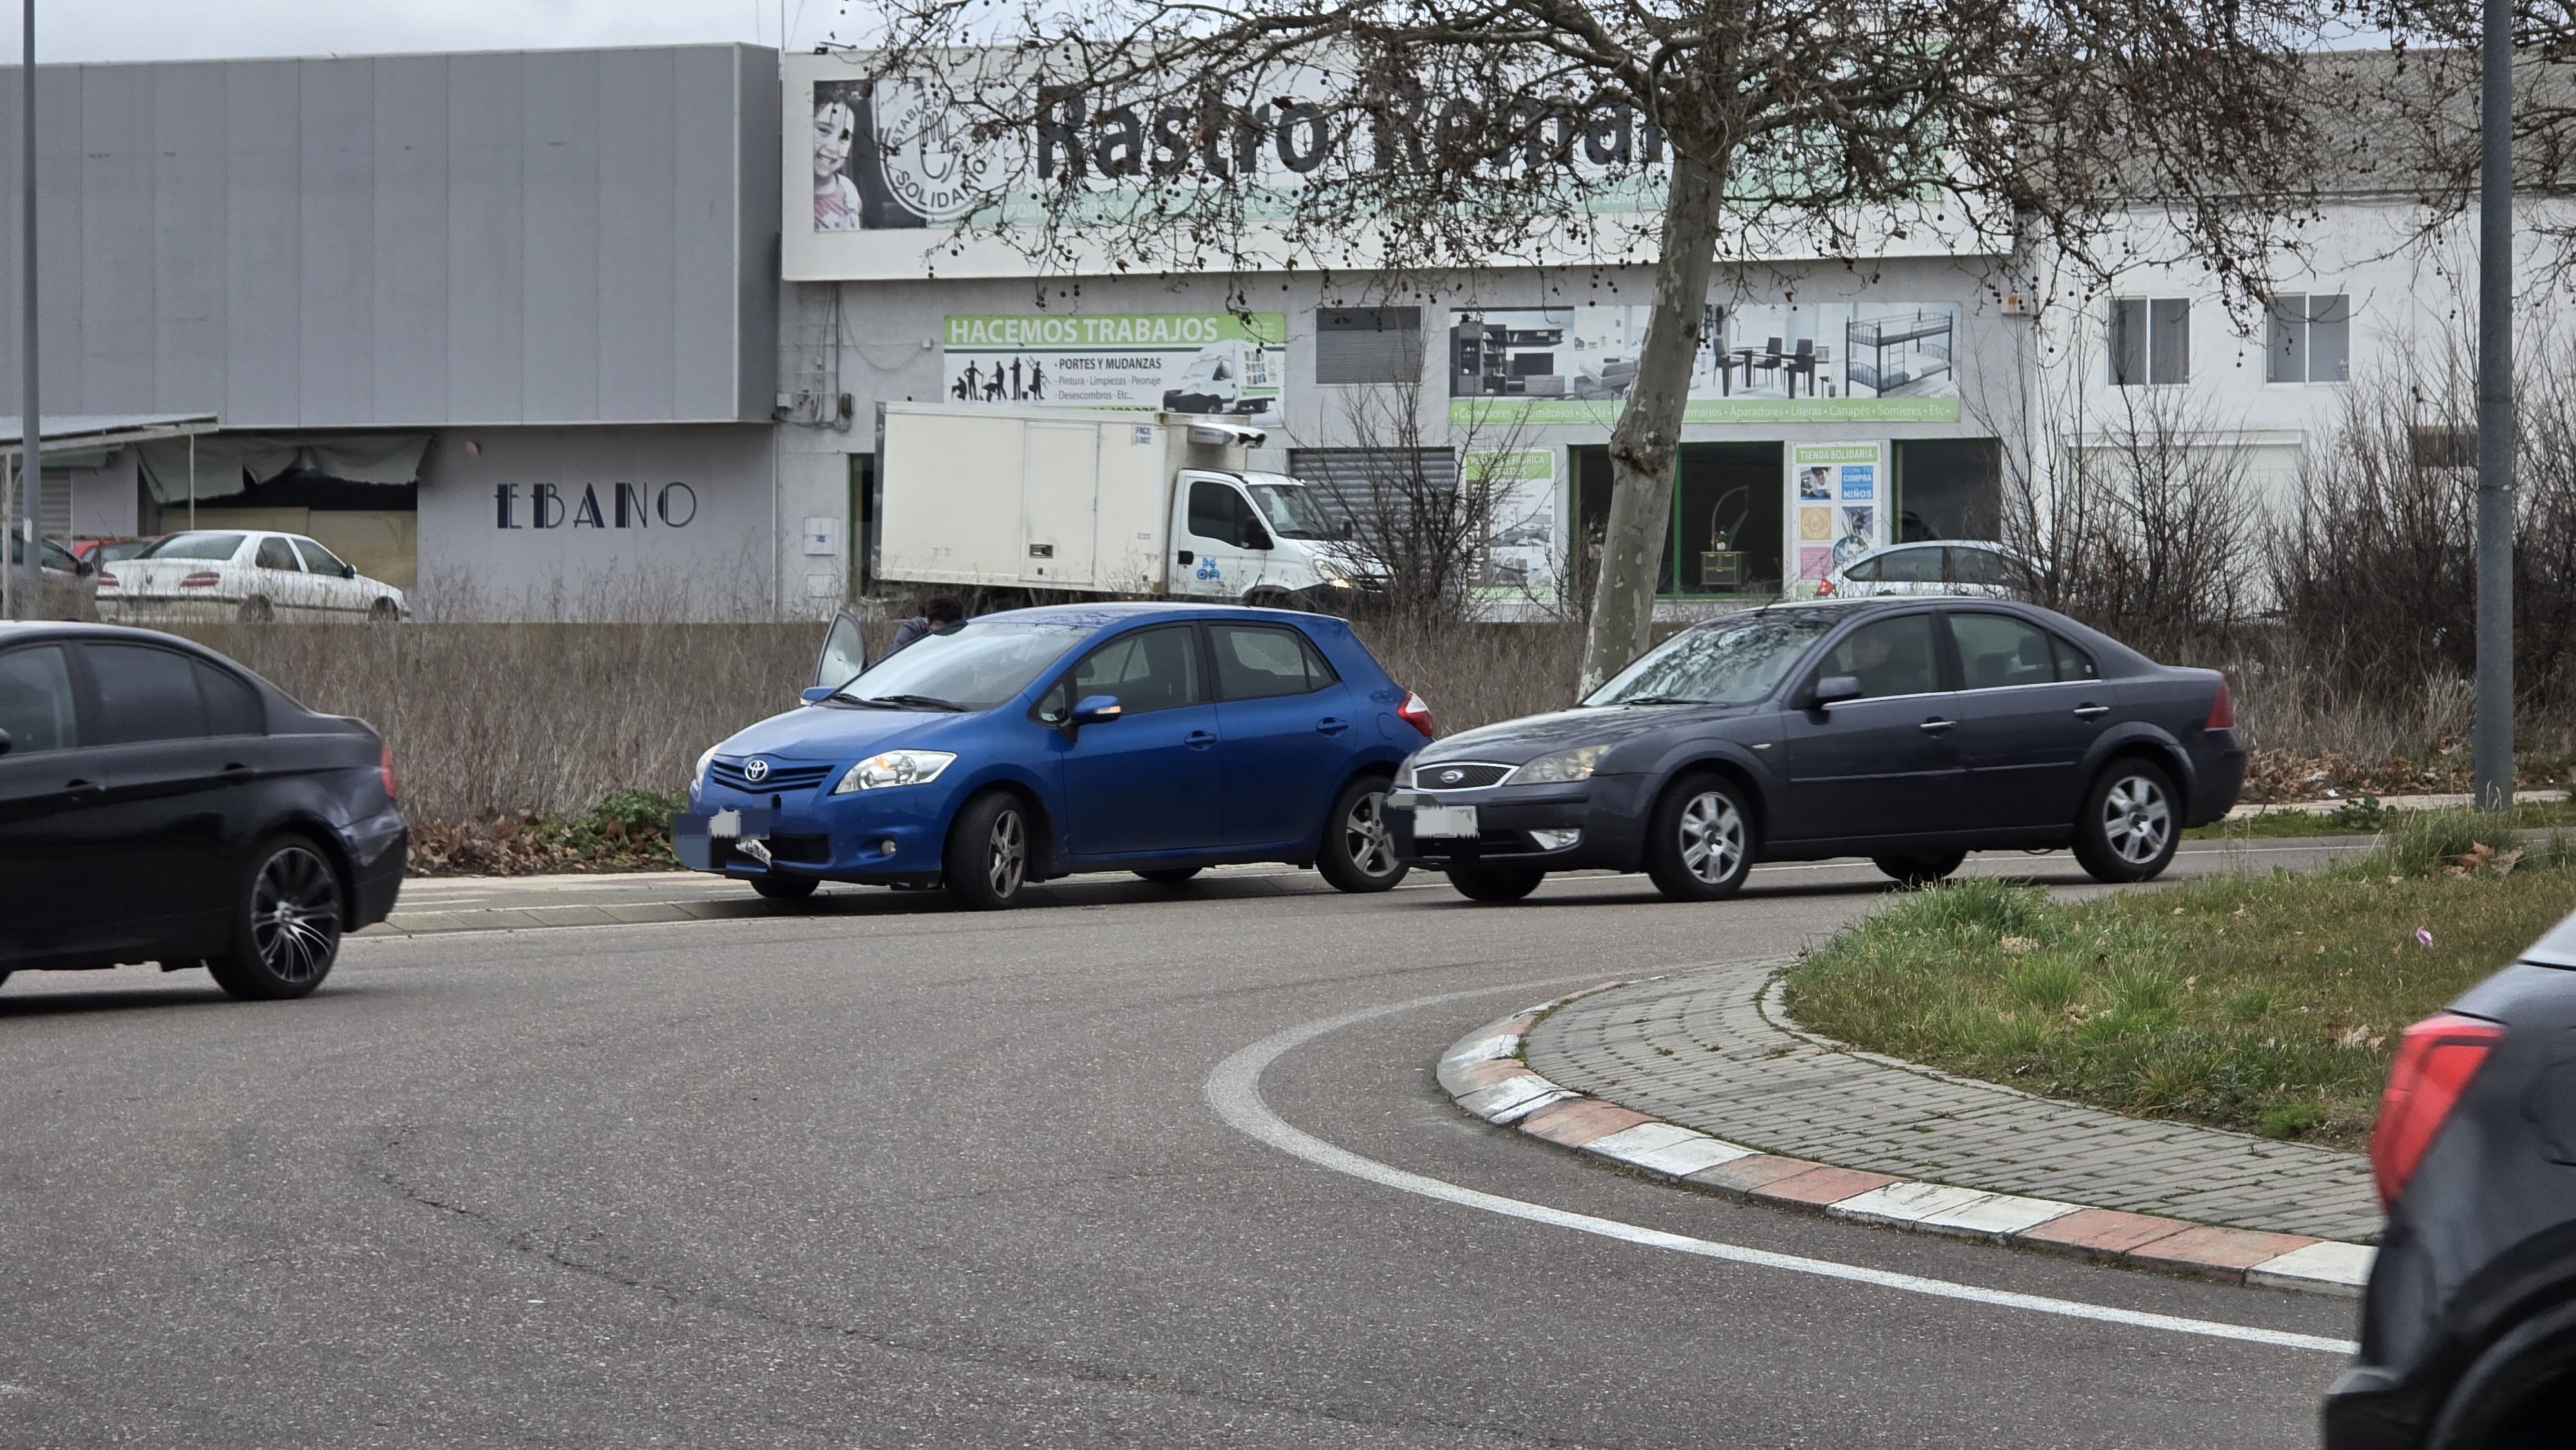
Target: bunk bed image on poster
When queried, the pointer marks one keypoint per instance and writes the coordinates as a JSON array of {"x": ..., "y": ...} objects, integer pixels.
[{"x": 1900, "y": 351}]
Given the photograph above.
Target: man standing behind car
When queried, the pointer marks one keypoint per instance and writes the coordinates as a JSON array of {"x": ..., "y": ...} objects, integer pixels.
[{"x": 941, "y": 611}]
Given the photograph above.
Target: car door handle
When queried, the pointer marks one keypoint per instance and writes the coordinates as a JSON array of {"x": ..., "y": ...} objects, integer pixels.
[
  {"x": 233, "y": 770},
  {"x": 1198, "y": 739},
  {"x": 1332, "y": 725},
  {"x": 1936, "y": 726},
  {"x": 81, "y": 789},
  {"x": 1188, "y": 556},
  {"x": 2091, "y": 712}
]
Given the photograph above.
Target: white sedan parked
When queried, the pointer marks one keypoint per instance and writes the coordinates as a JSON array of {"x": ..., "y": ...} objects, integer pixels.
[
  {"x": 1945, "y": 566},
  {"x": 240, "y": 573}
]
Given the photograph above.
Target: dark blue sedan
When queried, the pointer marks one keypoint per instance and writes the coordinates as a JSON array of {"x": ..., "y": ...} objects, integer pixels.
[{"x": 1154, "y": 738}]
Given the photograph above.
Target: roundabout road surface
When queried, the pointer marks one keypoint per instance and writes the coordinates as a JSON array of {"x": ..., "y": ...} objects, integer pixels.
[{"x": 899, "y": 1176}]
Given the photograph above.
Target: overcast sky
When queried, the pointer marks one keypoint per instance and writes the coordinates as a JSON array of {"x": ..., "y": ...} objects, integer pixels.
[{"x": 93, "y": 30}]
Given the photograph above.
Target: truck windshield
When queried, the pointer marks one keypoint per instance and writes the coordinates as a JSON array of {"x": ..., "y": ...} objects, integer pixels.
[
  {"x": 1291, "y": 511},
  {"x": 1723, "y": 662},
  {"x": 974, "y": 665}
]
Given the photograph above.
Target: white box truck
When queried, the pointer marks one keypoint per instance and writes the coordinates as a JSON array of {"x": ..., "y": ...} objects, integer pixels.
[{"x": 1064, "y": 501}]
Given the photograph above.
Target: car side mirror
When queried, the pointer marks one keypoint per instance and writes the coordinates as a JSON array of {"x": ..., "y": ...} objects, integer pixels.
[
  {"x": 1833, "y": 690},
  {"x": 816, "y": 694},
  {"x": 5, "y": 742},
  {"x": 84, "y": 568},
  {"x": 1095, "y": 710},
  {"x": 348, "y": 571}
]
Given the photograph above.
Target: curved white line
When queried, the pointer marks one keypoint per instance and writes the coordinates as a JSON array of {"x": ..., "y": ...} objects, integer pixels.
[{"x": 1234, "y": 1093}]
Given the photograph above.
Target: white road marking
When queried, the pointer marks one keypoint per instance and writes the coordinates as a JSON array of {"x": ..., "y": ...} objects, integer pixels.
[{"x": 1234, "y": 1094}]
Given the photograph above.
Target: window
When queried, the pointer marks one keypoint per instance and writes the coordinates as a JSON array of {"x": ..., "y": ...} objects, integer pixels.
[
  {"x": 1910, "y": 566},
  {"x": 1722, "y": 662},
  {"x": 1152, "y": 669},
  {"x": 318, "y": 559},
  {"x": 2073, "y": 663},
  {"x": 1998, "y": 651},
  {"x": 232, "y": 707},
  {"x": 2310, "y": 339},
  {"x": 1864, "y": 571},
  {"x": 1368, "y": 344},
  {"x": 273, "y": 554},
  {"x": 144, "y": 694},
  {"x": 1888, "y": 657},
  {"x": 2150, "y": 340},
  {"x": 1218, "y": 511},
  {"x": 36, "y": 699},
  {"x": 1261, "y": 662},
  {"x": 1978, "y": 566},
  {"x": 196, "y": 546}
]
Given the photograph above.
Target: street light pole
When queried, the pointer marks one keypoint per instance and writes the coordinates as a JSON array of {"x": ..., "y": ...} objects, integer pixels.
[
  {"x": 31, "y": 429},
  {"x": 2491, "y": 740}
]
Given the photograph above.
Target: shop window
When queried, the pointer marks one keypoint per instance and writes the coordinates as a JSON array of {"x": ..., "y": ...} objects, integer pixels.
[
  {"x": 2310, "y": 338},
  {"x": 1368, "y": 345},
  {"x": 1724, "y": 536},
  {"x": 1947, "y": 488},
  {"x": 2150, "y": 341}
]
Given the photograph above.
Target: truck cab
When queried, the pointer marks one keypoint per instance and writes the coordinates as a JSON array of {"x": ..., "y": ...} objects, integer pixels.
[{"x": 1253, "y": 537}]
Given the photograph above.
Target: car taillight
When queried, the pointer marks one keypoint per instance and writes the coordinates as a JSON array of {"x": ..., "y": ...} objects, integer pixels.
[
  {"x": 2435, "y": 1061},
  {"x": 1824, "y": 588},
  {"x": 106, "y": 580},
  {"x": 1416, "y": 714},
  {"x": 202, "y": 579},
  {"x": 385, "y": 772},
  {"x": 2222, "y": 711}
]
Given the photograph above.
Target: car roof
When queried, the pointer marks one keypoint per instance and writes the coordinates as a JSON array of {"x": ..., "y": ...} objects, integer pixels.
[
  {"x": 12, "y": 632},
  {"x": 1119, "y": 611},
  {"x": 2556, "y": 947}
]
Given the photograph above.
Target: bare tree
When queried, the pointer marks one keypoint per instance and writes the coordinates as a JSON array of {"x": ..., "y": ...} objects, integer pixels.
[
  {"x": 1420, "y": 513},
  {"x": 1131, "y": 135},
  {"x": 2412, "y": 114}
]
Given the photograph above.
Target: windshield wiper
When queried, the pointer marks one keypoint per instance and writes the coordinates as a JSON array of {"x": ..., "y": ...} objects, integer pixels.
[
  {"x": 1659, "y": 700},
  {"x": 926, "y": 702}
]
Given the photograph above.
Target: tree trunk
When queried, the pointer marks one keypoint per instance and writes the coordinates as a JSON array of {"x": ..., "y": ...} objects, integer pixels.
[{"x": 1649, "y": 432}]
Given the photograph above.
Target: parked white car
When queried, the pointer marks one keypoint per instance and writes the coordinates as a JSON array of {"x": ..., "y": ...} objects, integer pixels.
[
  {"x": 245, "y": 574},
  {"x": 1945, "y": 566}
]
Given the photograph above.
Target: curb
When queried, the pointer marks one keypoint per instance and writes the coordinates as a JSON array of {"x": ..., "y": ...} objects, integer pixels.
[{"x": 1484, "y": 1074}]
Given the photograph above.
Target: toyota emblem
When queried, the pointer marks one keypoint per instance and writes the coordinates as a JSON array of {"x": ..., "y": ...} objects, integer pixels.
[
  {"x": 1452, "y": 777},
  {"x": 755, "y": 770}
]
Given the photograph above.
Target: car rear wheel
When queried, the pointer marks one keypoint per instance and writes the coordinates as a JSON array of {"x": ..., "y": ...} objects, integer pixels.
[
  {"x": 1700, "y": 844},
  {"x": 986, "y": 862},
  {"x": 286, "y": 924},
  {"x": 1495, "y": 883},
  {"x": 1169, "y": 875},
  {"x": 784, "y": 888},
  {"x": 383, "y": 611},
  {"x": 1358, "y": 854},
  {"x": 256, "y": 610},
  {"x": 1912, "y": 872},
  {"x": 2130, "y": 824}
]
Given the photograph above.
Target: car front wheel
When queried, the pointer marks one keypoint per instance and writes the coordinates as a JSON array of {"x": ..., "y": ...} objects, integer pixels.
[
  {"x": 2130, "y": 825},
  {"x": 286, "y": 924},
  {"x": 986, "y": 863},
  {"x": 1358, "y": 854},
  {"x": 1700, "y": 844}
]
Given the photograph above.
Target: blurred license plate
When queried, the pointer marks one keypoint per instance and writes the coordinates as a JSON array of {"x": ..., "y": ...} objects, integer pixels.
[{"x": 1447, "y": 821}]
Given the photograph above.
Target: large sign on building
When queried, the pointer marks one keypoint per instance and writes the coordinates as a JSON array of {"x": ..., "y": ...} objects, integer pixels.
[{"x": 1173, "y": 362}]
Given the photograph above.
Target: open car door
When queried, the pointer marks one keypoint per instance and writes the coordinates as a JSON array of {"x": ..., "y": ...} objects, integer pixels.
[{"x": 845, "y": 652}]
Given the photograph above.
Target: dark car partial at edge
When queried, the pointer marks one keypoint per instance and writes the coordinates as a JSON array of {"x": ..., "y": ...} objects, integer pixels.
[
  {"x": 2468, "y": 1326},
  {"x": 159, "y": 803},
  {"x": 1908, "y": 730}
]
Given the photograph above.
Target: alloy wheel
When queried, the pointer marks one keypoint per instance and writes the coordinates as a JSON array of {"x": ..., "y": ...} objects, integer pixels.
[
  {"x": 2136, "y": 820},
  {"x": 1365, "y": 836},
  {"x": 1712, "y": 832},
  {"x": 295, "y": 915},
  {"x": 1006, "y": 860}
]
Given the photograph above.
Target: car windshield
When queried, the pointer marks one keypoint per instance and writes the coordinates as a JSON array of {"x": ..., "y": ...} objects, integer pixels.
[
  {"x": 1291, "y": 511},
  {"x": 196, "y": 546},
  {"x": 1723, "y": 662},
  {"x": 974, "y": 665},
  {"x": 122, "y": 549}
]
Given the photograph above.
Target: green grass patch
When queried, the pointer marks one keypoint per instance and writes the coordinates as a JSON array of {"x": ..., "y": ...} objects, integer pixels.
[
  {"x": 2269, "y": 1003},
  {"x": 2364, "y": 815}
]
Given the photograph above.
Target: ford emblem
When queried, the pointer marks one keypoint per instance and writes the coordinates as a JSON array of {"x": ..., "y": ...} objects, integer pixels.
[
  {"x": 1452, "y": 777},
  {"x": 755, "y": 770}
]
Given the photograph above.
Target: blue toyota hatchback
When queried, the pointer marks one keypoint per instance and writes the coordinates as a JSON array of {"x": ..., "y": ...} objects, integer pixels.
[{"x": 1036, "y": 743}]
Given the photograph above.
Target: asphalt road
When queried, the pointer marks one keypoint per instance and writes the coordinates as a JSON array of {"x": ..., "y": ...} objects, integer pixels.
[{"x": 886, "y": 1174}]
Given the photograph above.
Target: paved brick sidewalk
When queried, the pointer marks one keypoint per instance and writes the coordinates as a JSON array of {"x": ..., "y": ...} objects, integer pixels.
[{"x": 1708, "y": 1050}]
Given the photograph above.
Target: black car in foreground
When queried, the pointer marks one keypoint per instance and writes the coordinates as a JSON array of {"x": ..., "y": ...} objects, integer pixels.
[
  {"x": 160, "y": 803},
  {"x": 2468, "y": 1327},
  {"x": 1911, "y": 731}
]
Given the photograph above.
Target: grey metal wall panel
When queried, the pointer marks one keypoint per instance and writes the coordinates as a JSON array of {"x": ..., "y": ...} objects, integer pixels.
[
  {"x": 486, "y": 259},
  {"x": 560, "y": 237},
  {"x": 11, "y": 324},
  {"x": 263, "y": 171},
  {"x": 495, "y": 238},
  {"x": 188, "y": 220},
  {"x": 410, "y": 301},
  {"x": 114, "y": 321},
  {"x": 337, "y": 210},
  {"x": 637, "y": 278}
]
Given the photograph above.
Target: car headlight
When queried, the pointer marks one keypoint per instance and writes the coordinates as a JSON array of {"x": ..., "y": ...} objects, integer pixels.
[
  {"x": 699, "y": 772},
  {"x": 895, "y": 767},
  {"x": 1564, "y": 765},
  {"x": 1331, "y": 572},
  {"x": 1404, "y": 772}
]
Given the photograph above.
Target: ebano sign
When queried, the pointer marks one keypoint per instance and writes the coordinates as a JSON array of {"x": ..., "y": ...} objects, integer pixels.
[{"x": 629, "y": 506}]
